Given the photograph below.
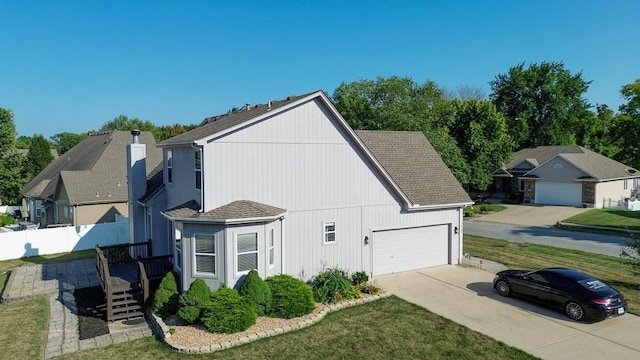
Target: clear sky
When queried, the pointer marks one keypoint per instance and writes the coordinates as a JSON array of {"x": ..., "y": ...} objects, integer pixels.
[{"x": 71, "y": 66}]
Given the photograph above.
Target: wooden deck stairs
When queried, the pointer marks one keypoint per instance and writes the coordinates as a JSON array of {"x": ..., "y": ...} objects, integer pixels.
[{"x": 127, "y": 274}]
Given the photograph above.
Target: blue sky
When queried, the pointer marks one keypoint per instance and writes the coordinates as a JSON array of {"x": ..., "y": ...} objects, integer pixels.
[{"x": 71, "y": 66}]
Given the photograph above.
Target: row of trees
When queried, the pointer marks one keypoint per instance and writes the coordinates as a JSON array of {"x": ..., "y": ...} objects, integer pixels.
[
  {"x": 542, "y": 104},
  {"x": 529, "y": 106}
]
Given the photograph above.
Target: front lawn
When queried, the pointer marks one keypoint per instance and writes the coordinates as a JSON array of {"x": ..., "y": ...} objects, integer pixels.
[
  {"x": 608, "y": 218},
  {"x": 615, "y": 271},
  {"x": 388, "y": 328}
]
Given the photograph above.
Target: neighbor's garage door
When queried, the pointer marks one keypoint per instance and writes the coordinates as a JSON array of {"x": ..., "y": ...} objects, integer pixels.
[
  {"x": 558, "y": 193},
  {"x": 409, "y": 249}
]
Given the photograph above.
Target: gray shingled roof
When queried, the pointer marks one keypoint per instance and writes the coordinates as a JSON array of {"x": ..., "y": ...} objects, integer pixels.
[
  {"x": 540, "y": 154},
  {"x": 241, "y": 209},
  {"x": 93, "y": 171},
  {"x": 415, "y": 166},
  {"x": 216, "y": 124},
  {"x": 597, "y": 165}
]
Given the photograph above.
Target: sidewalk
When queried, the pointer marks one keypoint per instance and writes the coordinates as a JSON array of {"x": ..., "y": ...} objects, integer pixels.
[{"x": 58, "y": 281}]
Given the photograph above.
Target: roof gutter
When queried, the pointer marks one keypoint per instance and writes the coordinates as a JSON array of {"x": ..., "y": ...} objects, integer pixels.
[{"x": 434, "y": 207}]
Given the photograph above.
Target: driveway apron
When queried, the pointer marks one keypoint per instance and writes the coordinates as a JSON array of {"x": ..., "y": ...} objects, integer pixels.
[{"x": 465, "y": 295}]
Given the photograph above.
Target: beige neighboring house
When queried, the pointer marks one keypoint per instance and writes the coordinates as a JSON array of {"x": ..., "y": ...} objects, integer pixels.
[
  {"x": 88, "y": 183},
  {"x": 567, "y": 175}
]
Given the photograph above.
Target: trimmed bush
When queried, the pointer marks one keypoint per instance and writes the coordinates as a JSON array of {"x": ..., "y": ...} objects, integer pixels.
[
  {"x": 256, "y": 292},
  {"x": 228, "y": 312},
  {"x": 165, "y": 300},
  {"x": 331, "y": 286},
  {"x": 290, "y": 297},
  {"x": 359, "y": 277},
  {"x": 194, "y": 300},
  {"x": 368, "y": 288}
]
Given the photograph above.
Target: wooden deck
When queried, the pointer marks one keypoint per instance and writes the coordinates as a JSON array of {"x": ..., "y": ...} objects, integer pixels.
[{"x": 127, "y": 274}]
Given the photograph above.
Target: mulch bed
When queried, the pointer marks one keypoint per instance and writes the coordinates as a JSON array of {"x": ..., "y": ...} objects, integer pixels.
[{"x": 92, "y": 314}]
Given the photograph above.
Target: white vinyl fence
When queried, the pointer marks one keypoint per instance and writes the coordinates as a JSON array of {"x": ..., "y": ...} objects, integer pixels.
[{"x": 19, "y": 244}]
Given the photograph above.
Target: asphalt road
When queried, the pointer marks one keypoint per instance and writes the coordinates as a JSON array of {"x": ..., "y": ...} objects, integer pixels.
[{"x": 596, "y": 243}]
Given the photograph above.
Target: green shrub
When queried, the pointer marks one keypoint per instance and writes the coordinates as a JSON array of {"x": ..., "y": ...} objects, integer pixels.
[
  {"x": 359, "y": 277},
  {"x": 194, "y": 300},
  {"x": 256, "y": 292},
  {"x": 165, "y": 300},
  {"x": 330, "y": 286},
  {"x": 290, "y": 297},
  {"x": 6, "y": 219},
  {"x": 228, "y": 312},
  {"x": 468, "y": 212},
  {"x": 368, "y": 288}
]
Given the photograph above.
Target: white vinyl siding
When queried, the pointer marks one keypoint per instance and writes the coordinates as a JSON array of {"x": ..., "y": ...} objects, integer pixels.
[
  {"x": 204, "y": 248},
  {"x": 246, "y": 252}
]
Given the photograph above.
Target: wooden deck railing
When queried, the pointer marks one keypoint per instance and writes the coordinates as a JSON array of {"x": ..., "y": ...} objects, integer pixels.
[
  {"x": 151, "y": 271},
  {"x": 129, "y": 268}
]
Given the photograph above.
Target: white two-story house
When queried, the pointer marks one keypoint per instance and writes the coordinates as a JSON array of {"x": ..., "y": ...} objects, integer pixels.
[{"x": 289, "y": 187}]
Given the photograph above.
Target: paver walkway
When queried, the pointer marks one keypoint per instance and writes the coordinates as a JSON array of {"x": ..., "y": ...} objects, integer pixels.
[{"x": 59, "y": 280}]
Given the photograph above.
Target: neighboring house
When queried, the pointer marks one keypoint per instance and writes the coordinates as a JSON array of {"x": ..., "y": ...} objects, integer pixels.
[
  {"x": 289, "y": 187},
  {"x": 566, "y": 175},
  {"x": 88, "y": 183}
]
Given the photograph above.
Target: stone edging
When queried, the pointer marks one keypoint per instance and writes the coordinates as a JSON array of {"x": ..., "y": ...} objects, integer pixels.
[
  {"x": 163, "y": 331},
  {"x": 7, "y": 286}
]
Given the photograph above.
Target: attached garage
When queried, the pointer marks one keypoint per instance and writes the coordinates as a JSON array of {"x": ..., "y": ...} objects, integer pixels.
[
  {"x": 407, "y": 249},
  {"x": 569, "y": 194}
]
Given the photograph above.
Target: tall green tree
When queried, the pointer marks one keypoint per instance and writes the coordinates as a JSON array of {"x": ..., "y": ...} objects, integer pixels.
[
  {"x": 400, "y": 103},
  {"x": 39, "y": 156},
  {"x": 169, "y": 131},
  {"x": 66, "y": 140},
  {"x": 627, "y": 127},
  {"x": 11, "y": 179},
  {"x": 123, "y": 122},
  {"x": 481, "y": 134},
  {"x": 543, "y": 103}
]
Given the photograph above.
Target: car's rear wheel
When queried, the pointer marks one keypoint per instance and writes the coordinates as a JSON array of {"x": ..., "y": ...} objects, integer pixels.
[
  {"x": 503, "y": 288},
  {"x": 574, "y": 310}
]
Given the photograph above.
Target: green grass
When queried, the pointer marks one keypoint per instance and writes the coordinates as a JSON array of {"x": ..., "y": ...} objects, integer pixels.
[
  {"x": 24, "y": 328},
  {"x": 617, "y": 272},
  {"x": 388, "y": 328},
  {"x": 608, "y": 218}
]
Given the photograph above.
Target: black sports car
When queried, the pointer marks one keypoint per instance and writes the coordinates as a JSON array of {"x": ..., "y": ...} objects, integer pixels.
[{"x": 578, "y": 294}]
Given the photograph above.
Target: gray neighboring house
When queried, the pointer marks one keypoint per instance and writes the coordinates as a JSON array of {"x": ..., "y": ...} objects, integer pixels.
[
  {"x": 567, "y": 175},
  {"x": 88, "y": 183},
  {"x": 288, "y": 187}
]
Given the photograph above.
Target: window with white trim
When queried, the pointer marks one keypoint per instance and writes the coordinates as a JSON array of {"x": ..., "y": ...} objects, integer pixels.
[
  {"x": 330, "y": 232},
  {"x": 169, "y": 166},
  {"x": 198, "y": 167},
  {"x": 626, "y": 184},
  {"x": 177, "y": 247},
  {"x": 272, "y": 248},
  {"x": 246, "y": 252},
  {"x": 204, "y": 246}
]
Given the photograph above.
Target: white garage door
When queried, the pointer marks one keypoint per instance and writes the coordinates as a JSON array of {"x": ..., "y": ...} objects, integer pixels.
[
  {"x": 409, "y": 249},
  {"x": 558, "y": 193}
]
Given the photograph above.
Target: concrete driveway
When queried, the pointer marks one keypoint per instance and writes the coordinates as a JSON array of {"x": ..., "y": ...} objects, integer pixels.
[
  {"x": 531, "y": 215},
  {"x": 466, "y": 296}
]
